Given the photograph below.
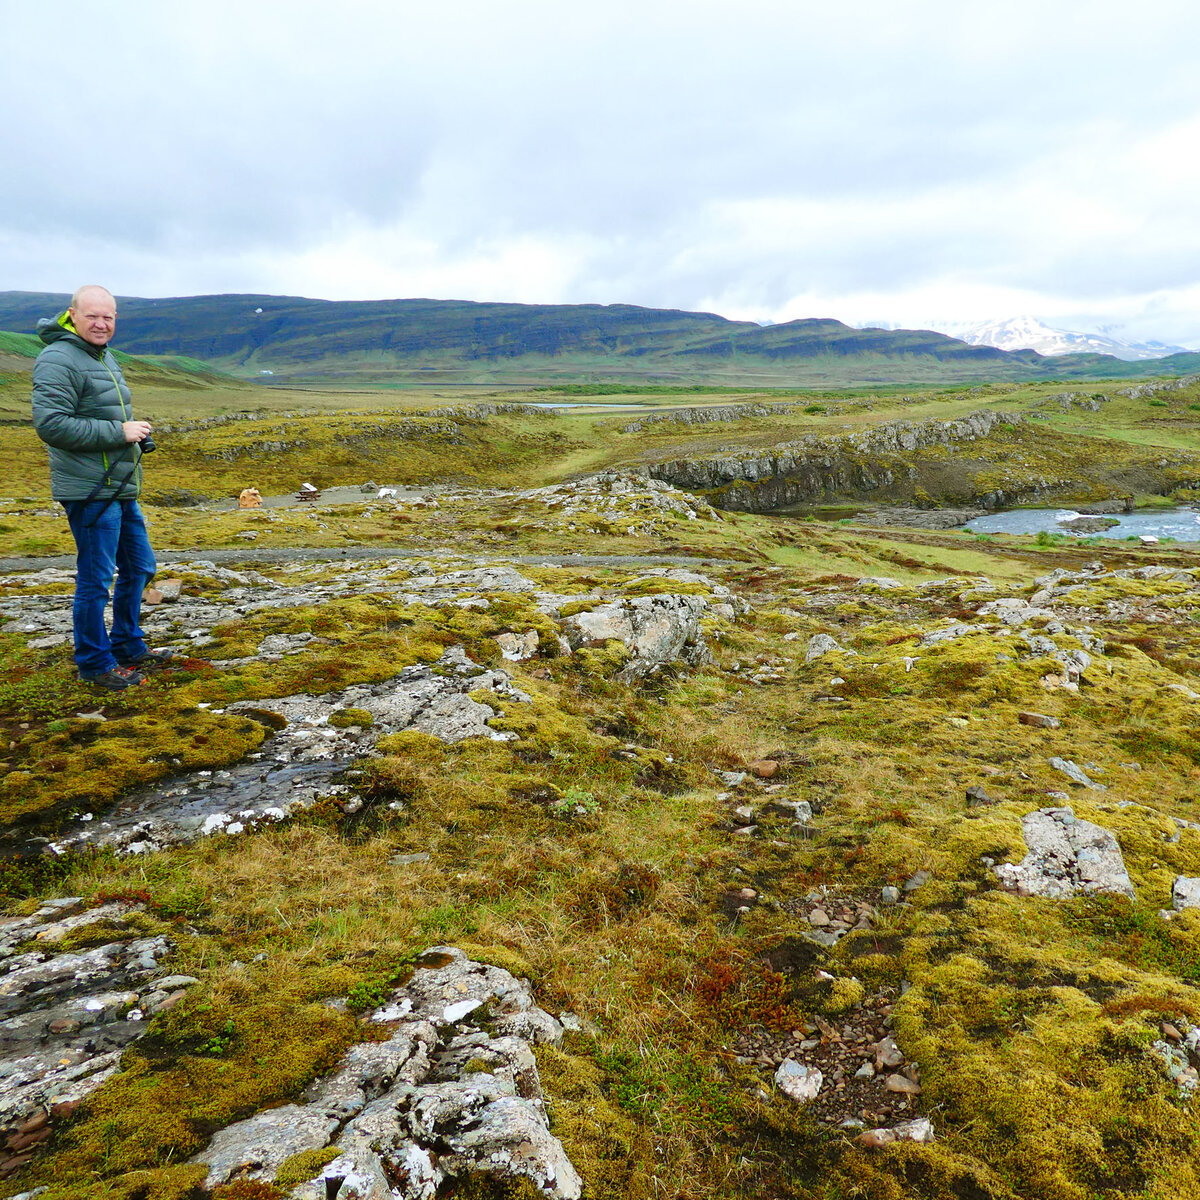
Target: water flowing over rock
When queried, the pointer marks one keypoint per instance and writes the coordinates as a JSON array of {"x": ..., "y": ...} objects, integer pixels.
[
  {"x": 443, "y": 1098},
  {"x": 1065, "y": 856}
]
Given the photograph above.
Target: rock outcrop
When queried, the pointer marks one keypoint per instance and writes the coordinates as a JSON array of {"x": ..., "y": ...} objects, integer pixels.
[
  {"x": 817, "y": 468},
  {"x": 453, "y": 1092},
  {"x": 628, "y": 502},
  {"x": 67, "y": 1016},
  {"x": 656, "y": 630}
]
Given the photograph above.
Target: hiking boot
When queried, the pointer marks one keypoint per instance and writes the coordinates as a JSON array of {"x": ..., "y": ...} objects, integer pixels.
[
  {"x": 116, "y": 680},
  {"x": 152, "y": 658}
]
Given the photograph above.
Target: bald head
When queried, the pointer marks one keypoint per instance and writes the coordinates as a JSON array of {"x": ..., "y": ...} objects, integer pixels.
[{"x": 93, "y": 313}]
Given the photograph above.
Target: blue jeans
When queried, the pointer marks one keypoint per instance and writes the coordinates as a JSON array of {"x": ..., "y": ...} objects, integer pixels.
[{"x": 109, "y": 536}]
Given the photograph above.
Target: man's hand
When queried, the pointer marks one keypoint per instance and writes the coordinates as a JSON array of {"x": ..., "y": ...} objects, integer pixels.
[{"x": 135, "y": 431}]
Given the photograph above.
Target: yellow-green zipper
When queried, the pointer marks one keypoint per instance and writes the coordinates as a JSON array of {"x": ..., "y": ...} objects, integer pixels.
[{"x": 128, "y": 416}]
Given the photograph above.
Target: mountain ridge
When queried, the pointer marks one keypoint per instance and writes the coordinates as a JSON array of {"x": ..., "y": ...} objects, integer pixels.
[{"x": 377, "y": 342}]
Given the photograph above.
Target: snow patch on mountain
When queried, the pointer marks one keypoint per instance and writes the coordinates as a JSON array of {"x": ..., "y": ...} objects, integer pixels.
[{"x": 1028, "y": 333}]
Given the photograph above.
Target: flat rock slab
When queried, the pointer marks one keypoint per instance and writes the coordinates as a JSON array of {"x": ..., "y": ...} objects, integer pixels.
[
  {"x": 821, "y": 644},
  {"x": 303, "y": 761},
  {"x": 66, "y": 1017},
  {"x": 1075, "y": 774},
  {"x": 1066, "y": 856},
  {"x": 1185, "y": 893}
]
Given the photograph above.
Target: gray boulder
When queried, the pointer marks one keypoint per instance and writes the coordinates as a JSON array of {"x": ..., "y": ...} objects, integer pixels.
[
  {"x": 821, "y": 644},
  {"x": 656, "y": 630},
  {"x": 1066, "y": 856},
  {"x": 1075, "y": 774},
  {"x": 1185, "y": 893},
  {"x": 68, "y": 1016},
  {"x": 949, "y": 634}
]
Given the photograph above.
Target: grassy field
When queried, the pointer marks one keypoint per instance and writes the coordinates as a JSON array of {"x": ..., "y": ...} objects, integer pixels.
[{"x": 1030, "y": 1019}]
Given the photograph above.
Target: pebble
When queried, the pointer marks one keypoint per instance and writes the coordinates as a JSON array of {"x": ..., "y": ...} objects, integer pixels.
[
  {"x": 919, "y": 1130},
  {"x": 1038, "y": 720}
]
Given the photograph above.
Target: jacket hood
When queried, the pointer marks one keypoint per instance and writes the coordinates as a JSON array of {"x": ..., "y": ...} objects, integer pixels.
[{"x": 54, "y": 329}]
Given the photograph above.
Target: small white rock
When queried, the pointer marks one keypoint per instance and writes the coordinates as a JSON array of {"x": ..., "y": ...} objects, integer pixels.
[{"x": 798, "y": 1082}]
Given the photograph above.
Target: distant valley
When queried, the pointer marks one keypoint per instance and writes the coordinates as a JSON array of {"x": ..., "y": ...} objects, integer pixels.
[{"x": 382, "y": 343}]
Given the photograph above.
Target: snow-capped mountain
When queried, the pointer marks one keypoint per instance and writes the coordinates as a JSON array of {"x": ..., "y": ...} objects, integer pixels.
[{"x": 1028, "y": 333}]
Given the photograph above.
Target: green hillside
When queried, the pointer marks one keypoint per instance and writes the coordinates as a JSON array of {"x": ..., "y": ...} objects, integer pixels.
[{"x": 388, "y": 343}]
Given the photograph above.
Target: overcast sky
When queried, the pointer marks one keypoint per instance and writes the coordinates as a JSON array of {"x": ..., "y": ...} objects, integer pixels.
[{"x": 903, "y": 164}]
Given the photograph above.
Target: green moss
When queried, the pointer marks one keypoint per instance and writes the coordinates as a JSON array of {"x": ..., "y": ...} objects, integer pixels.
[
  {"x": 574, "y": 607},
  {"x": 181, "y": 1182},
  {"x": 173, "y": 1087},
  {"x": 344, "y": 718},
  {"x": 303, "y": 1166},
  {"x": 91, "y": 764},
  {"x": 845, "y": 994}
]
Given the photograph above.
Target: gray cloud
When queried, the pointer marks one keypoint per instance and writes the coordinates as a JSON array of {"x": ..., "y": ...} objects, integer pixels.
[{"x": 661, "y": 153}]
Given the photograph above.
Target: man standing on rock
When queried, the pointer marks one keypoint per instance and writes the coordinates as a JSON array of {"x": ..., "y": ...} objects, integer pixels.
[{"x": 82, "y": 411}]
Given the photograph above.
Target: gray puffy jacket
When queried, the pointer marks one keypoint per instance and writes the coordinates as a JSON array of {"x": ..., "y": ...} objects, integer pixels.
[{"x": 80, "y": 400}]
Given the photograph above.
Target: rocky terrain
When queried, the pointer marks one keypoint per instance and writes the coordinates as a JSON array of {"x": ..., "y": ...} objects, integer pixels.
[{"x": 462, "y": 872}]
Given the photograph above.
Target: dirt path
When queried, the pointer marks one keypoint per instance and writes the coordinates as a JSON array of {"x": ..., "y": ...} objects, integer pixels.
[{"x": 358, "y": 553}]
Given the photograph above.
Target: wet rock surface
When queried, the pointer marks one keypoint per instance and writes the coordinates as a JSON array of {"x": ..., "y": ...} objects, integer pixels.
[
  {"x": 441, "y": 1099},
  {"x": 304, "y": 761},
  {"x": 66, "y": 1016}
]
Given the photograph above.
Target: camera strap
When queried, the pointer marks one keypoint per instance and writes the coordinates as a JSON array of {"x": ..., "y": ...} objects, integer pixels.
[{"x": 116, "y": 489}]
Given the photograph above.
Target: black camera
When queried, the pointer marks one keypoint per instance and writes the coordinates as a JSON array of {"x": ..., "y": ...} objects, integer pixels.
[{"x": 147, "y": 444}]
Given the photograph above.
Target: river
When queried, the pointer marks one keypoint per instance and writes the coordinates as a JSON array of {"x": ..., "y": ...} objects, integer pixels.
[{"x": 1181, "y": 524}]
